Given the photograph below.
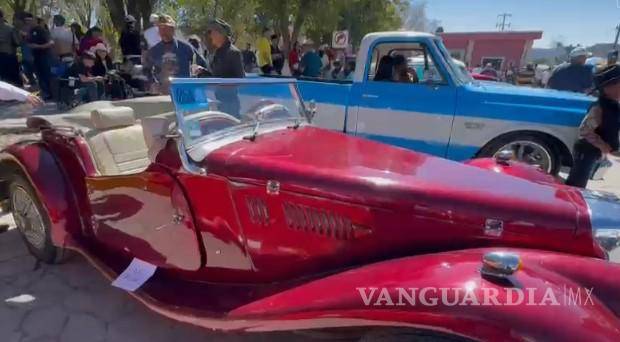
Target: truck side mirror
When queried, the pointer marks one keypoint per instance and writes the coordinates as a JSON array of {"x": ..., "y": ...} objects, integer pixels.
[{"x": 311, "y": 110}]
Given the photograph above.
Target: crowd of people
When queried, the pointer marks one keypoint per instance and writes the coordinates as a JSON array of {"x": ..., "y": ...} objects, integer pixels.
[
  {"x": 65, "y": 60},
  {"x": 50, "y": 55},
  {"x": 303, "y": 60}
]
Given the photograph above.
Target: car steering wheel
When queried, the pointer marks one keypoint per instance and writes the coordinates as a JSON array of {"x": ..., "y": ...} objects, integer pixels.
[{"x": 266, "y": 110}]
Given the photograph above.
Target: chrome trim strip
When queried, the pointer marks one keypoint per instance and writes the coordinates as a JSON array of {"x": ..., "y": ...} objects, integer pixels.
[
  {"x": 249, "y": 80},
  {"x": 604, "y": 210},
  {"x": 188, "y": 165}
]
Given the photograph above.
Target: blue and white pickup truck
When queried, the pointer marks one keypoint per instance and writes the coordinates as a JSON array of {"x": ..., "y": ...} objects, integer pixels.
[{"x": 446, "y": 113}]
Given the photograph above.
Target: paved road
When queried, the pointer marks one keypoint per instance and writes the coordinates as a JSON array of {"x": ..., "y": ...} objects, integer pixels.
[{"x": 74, "y": 302}]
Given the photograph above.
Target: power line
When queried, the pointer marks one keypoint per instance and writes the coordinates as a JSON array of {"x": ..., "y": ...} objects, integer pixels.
[{"x": 501, "y": 21}]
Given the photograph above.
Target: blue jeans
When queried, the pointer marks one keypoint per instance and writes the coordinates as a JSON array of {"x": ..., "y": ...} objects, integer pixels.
[{"x": 91, "y": 91}]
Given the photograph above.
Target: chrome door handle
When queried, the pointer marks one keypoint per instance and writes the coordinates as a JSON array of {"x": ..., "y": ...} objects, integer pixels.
[{"x": 370, "y": 96}]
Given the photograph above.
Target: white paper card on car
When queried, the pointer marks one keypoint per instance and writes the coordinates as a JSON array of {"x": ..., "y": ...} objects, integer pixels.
[{"x": 135, "y": 275}]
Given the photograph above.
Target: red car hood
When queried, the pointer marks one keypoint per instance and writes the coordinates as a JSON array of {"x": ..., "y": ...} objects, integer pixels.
[{"x": 334, "y": 165}]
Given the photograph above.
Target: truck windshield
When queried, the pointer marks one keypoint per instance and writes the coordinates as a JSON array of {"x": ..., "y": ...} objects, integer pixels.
[
  {"x": 459, "y": 72},
  {"x": 214, "y": 108}
]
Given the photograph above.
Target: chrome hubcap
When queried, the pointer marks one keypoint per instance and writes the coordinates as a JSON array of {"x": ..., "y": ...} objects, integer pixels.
[
  {"x": 529, "y": 152},
  {"x": 28, "y": 218}
]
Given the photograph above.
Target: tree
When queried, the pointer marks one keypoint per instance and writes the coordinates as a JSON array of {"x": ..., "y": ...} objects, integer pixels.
[
  {"x": 139, "y": 9},
  {"x": 286, "y": 15},
  {"x": 18, "y": 6},
  {"x": 415, "y": 18},
  {"x": 359, "y": 17}
]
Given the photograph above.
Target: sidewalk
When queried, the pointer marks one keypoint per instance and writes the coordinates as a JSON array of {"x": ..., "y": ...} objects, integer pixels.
[{"x": 74, "y": 302}]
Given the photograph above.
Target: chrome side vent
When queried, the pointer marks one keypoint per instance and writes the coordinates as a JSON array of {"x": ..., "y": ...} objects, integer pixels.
[
  {"x": 258, "y": 211},
  {"x": 321, "y": 222}
]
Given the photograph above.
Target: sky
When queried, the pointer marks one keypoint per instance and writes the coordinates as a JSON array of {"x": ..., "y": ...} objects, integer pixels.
[{"x": 584, "y": 22}]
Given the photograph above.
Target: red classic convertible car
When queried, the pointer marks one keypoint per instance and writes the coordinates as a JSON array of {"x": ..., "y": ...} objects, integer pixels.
[{"x": 254, "y": 220}]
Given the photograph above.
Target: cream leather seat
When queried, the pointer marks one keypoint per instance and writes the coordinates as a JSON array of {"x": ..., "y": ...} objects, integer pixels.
[
  {"x": 155, "y": 129},
  {"x": 117, "y": 143}
]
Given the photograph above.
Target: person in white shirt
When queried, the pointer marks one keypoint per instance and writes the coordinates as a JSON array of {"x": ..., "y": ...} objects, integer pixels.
[
  {"x": 151, "y": 34},
  {"x": 10, "y": 92}
]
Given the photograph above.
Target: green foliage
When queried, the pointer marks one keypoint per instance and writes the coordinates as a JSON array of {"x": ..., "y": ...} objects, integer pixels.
[
  {"x": 315, "y": 19},
  {"x": 291, "y": 19},
  {"x": 358, "y": 16}
]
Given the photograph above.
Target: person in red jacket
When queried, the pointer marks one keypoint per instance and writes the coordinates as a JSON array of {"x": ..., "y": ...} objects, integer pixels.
[
  {"x": 293, "y": 60},
  {"x": 93, "y": 36}
]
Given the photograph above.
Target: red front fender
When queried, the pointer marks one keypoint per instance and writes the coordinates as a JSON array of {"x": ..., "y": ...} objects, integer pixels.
[
  {"x": 349, "y": 297},
  {"x": 34, "y": 161},
  {"x": 514, "y": 168}
]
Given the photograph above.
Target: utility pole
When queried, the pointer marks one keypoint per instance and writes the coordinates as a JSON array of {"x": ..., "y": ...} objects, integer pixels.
[
  {"x": 617, "y": 35},
  {"x": 501, "y": 21}
]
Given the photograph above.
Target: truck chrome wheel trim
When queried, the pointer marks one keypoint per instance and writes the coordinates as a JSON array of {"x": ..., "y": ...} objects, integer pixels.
[
  {"x": 28, "y": 218},
  {"x": 529, "y": 152}
]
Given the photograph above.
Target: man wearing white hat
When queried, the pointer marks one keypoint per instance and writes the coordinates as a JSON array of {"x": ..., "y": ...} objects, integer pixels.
[
  {"x": 151, "y": 34},
  {"x": 575, "y": 76}
]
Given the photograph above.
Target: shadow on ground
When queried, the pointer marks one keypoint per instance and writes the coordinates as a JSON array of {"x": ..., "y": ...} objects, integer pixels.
[{"x": 73, "y": 302}]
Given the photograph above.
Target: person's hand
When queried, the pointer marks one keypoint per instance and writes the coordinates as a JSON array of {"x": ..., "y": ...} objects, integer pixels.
[
  {"x": 34, "y": 100},
  {"x": 605, "y": 150}
]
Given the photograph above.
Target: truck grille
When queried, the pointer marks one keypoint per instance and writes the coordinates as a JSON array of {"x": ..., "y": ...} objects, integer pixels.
[{"x": 318, "y": 221}]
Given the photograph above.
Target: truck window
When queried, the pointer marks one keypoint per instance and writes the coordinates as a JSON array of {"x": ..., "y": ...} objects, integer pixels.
[{"x": 389, "y": 60}]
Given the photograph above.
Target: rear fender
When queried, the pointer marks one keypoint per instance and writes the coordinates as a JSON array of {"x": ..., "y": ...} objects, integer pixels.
[
  {"x": 371, "y": 295},
  {"x": 39, "y": 166}
]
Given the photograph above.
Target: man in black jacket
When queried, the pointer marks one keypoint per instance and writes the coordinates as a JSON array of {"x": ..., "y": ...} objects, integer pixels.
[
  {"x": 130, "y": 41},
  {"x": 227, "y": 63},
  {"x": 227, "y": 60}
]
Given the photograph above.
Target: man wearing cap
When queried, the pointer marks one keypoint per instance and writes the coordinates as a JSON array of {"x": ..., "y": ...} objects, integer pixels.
[
  {"x": 598, "y": 132},
  {"x": 170, "y": 57},
  {"x": 575, "y": 76},
  {"x": 227, "y": 63},
  {"x": 130, "y": 41},
  {"x": 227, "y": 60}
]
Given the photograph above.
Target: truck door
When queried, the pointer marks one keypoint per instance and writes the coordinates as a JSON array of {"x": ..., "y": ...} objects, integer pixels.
[{"x": 415, "y": 114}]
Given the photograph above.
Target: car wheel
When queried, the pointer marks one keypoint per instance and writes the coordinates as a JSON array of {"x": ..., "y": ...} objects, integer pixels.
[
  {"x": 32, "y": 221},
  {"x": 527, "y": 148}
]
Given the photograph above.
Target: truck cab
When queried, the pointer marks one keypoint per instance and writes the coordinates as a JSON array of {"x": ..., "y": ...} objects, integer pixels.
[{"x": 443, "y": 111}]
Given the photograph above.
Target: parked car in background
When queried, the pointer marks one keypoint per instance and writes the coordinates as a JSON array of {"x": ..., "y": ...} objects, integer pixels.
[
  {"x": 475, "y": 76},
  {"x": 253, "y": 220},
  {"x": 447, "y": 113}
]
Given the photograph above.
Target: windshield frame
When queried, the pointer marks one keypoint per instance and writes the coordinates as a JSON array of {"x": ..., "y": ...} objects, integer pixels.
[
  {"x": 454, "y": 69},
  {"x": 180, "y": 113}
]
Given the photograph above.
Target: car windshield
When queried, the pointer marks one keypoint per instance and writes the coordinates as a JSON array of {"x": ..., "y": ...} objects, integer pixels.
[
  {"x": 214, "y": 108},
  {"x": 460, "y": 72}
]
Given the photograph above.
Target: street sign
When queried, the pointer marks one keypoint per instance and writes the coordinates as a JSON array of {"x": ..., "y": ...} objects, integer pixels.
[{"x": 340, "y": 39}]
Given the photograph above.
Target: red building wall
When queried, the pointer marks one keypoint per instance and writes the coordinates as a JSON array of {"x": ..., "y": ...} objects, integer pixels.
[
  {"x": 472, "y": 47},
  {"x": 510, "y": 50}
]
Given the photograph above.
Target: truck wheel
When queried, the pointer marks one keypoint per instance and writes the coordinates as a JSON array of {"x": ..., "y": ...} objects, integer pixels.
[
  {"x": 528, "y": 148},
  {"x": 32, "y": 221}
]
